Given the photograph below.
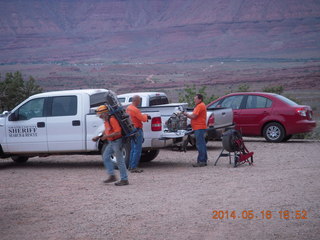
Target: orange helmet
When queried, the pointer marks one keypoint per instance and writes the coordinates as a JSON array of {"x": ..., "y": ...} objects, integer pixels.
[{"x": 102, "y": 109}]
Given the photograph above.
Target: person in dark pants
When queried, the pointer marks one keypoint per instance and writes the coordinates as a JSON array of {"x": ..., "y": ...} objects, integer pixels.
[
  {"x": 198, "y": 123},
  {"x": 112, "y": 133},
  {"x": 136, "y": 144}
]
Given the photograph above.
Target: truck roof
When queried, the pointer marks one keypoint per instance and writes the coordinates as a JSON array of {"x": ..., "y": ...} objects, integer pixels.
[
  {"x": 142, "y": 94},
  {"x": 70, "y": 92}
]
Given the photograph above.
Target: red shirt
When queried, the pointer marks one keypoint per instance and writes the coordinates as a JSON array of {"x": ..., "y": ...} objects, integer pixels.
[
  {"x": 136, "y": 116},
  {"x": 200, "y": 121},
  {"x": 112, "y": 126}
]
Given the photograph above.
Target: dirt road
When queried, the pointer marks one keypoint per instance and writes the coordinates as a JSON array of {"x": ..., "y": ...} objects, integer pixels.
[{"x": 63, "y": 197}]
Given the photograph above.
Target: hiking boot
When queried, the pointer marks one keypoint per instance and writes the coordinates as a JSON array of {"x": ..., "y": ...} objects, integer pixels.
[
  {"x": 199, "y": 164},
  {"x": 111, "y": 179},
  {"x": 122, "y": 183},
  {"x": 136, "y": 170}
]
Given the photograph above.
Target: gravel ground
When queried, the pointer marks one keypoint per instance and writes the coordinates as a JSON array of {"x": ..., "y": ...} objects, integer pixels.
[{"x": 63, "y": 197}]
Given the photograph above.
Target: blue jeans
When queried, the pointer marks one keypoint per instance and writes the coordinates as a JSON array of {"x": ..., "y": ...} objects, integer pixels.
[
  {"x": 201, "y": 145},
  {"x": 136, "y": 149},
  {"x": 115, "y": 147}
]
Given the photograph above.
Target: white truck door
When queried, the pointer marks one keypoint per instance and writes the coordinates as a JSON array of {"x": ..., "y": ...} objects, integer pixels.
[
  {"x": 26, "y": 128},
  {"x": 65, "y": 124}
]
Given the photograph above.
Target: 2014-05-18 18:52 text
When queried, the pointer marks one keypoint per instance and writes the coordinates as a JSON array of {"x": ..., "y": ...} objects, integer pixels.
[{"x": 264, "y": 214}]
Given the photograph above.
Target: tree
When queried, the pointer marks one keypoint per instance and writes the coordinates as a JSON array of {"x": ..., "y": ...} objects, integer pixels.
[
  {"x": 14, "y": 90},
  {"x": 189, "y": 92},
  {"x": 31, "y": 88}
]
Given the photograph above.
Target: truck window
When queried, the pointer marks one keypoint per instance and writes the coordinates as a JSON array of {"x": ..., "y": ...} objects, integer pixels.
[
  {"x": 122, "y": 100},
  {"x": 97, "y": 99},
  {"x": 31, "y": 109},
  {"x": 164, "y": 100},
  {"x": 64, "y": 106},
  {"x": 130, "y": 101},
  {"x": 158, "y": 100}
]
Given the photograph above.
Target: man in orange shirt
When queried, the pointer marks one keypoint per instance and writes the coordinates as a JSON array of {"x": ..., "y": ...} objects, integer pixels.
[
  {"x": 136, "y": 144},
  {"x": 112, "y": 133},
  {"x": 198, "y": 124}
]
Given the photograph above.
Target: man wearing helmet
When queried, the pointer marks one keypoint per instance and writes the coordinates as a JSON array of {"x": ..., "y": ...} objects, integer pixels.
[{"x": 112, "y": 133}]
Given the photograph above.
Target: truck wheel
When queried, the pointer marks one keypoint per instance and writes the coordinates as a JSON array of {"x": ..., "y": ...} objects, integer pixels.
[
  {"x": 125, "y": 152},
  {"x": 274, "y": 132},
  {"x": 229, "y": 141},
  {"x": 19, "y": 159},
  {"x": 148, "y": 156}
]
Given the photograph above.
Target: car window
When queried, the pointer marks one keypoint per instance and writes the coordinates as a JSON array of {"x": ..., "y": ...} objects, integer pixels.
[
  {"x": 258, "y": 102},
  {"x": 64, "y": 106},
  {"x": 286, "y": 100},
  {"x": 214, "y": 105},
  {"x": 233, "y": 102},
  {"x": 31, "y": 109}
]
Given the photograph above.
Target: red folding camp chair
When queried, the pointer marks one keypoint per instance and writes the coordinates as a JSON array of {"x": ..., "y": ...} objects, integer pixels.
[{"x": 233, "y": 143}]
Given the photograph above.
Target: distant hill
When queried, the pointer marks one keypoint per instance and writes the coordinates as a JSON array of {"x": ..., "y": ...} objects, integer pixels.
[{"x": 98, "y": 31}]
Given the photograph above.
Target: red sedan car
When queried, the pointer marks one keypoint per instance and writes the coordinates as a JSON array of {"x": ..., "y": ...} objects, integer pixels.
[{"x": 270, "y": 115}]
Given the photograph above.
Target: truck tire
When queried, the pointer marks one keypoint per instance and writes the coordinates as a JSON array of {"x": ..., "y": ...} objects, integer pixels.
[
  {"x": 274, "y": 132},
  {"x": 125, "y": 152},
  {"x": 19, "y": 159},
  {"x": 148, "y": 156},
  {"x": 229, "y": 140}
]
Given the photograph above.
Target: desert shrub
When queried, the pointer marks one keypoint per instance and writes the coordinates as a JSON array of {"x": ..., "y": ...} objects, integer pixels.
[
  {"x": 274, "y": 89},
  {"x": 243, "y": 88}
]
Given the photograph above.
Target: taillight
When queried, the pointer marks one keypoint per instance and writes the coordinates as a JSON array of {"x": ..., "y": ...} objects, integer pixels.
[
  {"x": 156, "y": 124},
  {"x": 211, "y": 121},
  {"x": 302, "y": 112}
]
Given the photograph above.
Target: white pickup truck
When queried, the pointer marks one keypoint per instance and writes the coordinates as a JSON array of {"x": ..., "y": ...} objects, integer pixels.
[
  {"x": 64, "y": 122},
  {"x": 218, "y": 119}
]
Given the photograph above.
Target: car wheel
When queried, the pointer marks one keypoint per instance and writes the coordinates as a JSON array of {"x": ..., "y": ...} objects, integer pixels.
[
  {"x": 125, "y": 153},
  {"x": 274, "y": 132},
  {"x": 19, "y": 159},
  {"x": 148, "y": 156}
]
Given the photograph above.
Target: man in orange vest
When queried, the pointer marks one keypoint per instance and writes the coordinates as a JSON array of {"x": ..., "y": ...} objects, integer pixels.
[
  {"x": 136, "y": 144},
  {"x": 112, "y": 133},
  {"x": 198, "y": 123}
]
